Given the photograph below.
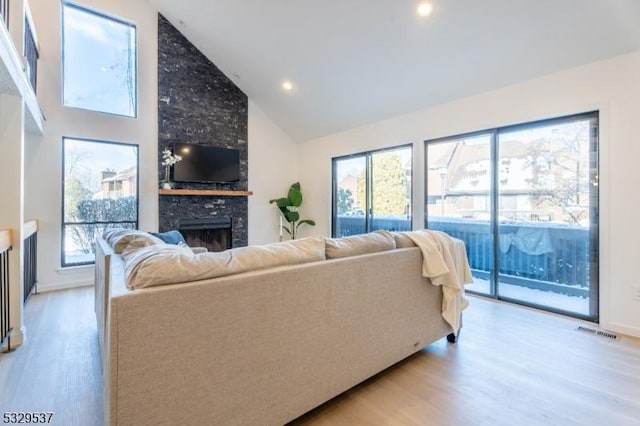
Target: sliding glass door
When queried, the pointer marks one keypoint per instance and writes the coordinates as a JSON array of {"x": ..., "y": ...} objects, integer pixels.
[
  {"x": 458, "y": 198},
  {"x": 349, "y": 196},
  {"x": 371, "y": 191},
  {"x": 525, "y": 201}
]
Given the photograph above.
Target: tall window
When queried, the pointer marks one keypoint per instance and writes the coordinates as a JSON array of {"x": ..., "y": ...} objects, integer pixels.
[
  {"x": 99, "y": 61},
  {"x": 100, "y": 191},
  {"x": 525, "y": 201},
  {"x": 372, "y": 190}
]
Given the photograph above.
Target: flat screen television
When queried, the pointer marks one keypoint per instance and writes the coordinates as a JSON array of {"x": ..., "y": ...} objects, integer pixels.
[{"x": 206, "y": 164}]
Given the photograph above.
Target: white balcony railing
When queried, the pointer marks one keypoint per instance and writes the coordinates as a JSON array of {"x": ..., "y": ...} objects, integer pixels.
[{"x": 30, "y": 49}]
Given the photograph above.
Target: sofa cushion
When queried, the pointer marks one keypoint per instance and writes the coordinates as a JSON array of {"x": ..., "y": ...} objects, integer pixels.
[
  {"x": 402, "y": 241},
  {"x": 359, "y": 244},
  {"x": 171, "y": 264},
  {"x": 119, "y": 238},
  {"x": 170, "y": 237}
]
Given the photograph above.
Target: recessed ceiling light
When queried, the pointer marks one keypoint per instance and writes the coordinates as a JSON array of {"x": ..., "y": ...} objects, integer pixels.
[
  {"x": 287, "y": 85},
  {"x": 424, "y": 9}
]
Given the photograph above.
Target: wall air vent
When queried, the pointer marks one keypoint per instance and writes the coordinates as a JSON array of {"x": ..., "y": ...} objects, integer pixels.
[{"x": 597, "y": 332}]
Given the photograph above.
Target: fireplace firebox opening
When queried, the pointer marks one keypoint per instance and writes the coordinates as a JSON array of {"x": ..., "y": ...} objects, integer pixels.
[{"x": 213, "y": 233}]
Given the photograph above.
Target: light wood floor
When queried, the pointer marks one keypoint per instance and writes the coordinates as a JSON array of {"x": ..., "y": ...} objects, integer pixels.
[{"x": 512, "y": 366}]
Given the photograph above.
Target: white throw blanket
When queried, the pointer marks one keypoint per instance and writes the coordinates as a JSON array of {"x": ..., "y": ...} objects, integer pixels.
[{"x": 445, "y": 263}]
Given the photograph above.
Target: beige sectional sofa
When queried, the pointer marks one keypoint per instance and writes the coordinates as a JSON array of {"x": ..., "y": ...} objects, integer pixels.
[{"x": 255, "y": 347}]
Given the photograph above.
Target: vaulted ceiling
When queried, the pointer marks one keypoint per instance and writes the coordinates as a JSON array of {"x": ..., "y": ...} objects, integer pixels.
[{"x": 353, "y": 62}]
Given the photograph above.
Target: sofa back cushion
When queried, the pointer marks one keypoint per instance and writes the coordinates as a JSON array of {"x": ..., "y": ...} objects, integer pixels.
[
  {"x": 402, "y": 241},
  {"x": 359, "y": 244},
  {"x": 120, "y": 238},
  {"x": 171, "y": 264}
]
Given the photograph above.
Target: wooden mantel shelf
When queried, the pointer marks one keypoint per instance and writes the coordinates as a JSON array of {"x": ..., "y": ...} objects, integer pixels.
[{"x": 209, "y": 192}]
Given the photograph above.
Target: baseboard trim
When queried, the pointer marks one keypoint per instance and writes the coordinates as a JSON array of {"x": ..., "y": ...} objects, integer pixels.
[
  {"x": 621, "y": 328},
  {"x": 17, "y": 337},
  {"x": 42, "y": 288}
]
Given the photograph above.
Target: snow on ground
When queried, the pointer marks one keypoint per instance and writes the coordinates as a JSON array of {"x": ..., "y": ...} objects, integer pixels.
[{"x": 574, "y": 304}]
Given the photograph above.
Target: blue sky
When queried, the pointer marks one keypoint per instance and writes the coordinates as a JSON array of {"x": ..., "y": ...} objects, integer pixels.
[{"x": 99, "y": 62}]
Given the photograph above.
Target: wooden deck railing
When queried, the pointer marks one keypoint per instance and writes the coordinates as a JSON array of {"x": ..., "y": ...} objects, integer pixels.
[
  {"x": 5, "y": 329},
  {"x": 564, "y": 270}
]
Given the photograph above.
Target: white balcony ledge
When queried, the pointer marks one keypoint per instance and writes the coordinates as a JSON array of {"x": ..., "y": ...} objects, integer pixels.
[{"x": 14, "y": 82}]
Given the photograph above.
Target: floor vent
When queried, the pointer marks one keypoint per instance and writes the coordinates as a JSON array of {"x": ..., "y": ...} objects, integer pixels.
[{"x": 598, "y": 332}]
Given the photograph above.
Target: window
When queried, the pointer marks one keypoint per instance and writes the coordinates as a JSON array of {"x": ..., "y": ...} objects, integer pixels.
[
  {"x": 100, "y": 191},
  {"x": 524, "y": 199},
  {"x": 372, "y": 190},
  {"x": 99, "y": 61}
]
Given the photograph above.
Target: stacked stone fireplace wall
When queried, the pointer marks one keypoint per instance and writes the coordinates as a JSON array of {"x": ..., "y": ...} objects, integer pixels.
[{"x": 198, "y": 104}]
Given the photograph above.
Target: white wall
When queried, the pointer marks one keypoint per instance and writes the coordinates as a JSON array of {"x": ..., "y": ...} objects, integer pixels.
[
  {"x": 43, "y": 174},
  {"x": 611, "y": 86},
  {"x": 272, "y": 169}
]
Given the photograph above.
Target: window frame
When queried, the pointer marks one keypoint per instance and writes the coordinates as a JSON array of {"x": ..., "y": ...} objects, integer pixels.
[
  {"x": 107, "y": 16},
  {"x": 64, "y": 223},
  {"x": 368, "y": 155}
]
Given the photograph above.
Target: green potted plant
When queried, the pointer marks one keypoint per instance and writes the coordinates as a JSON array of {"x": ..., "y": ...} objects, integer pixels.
[{"x": 288, "y": 207}]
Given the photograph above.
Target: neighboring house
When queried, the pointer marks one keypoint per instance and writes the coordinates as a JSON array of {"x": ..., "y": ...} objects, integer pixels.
[
  {"x": 118, "y": 184},
  {"x": 532, "y": 179}
]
